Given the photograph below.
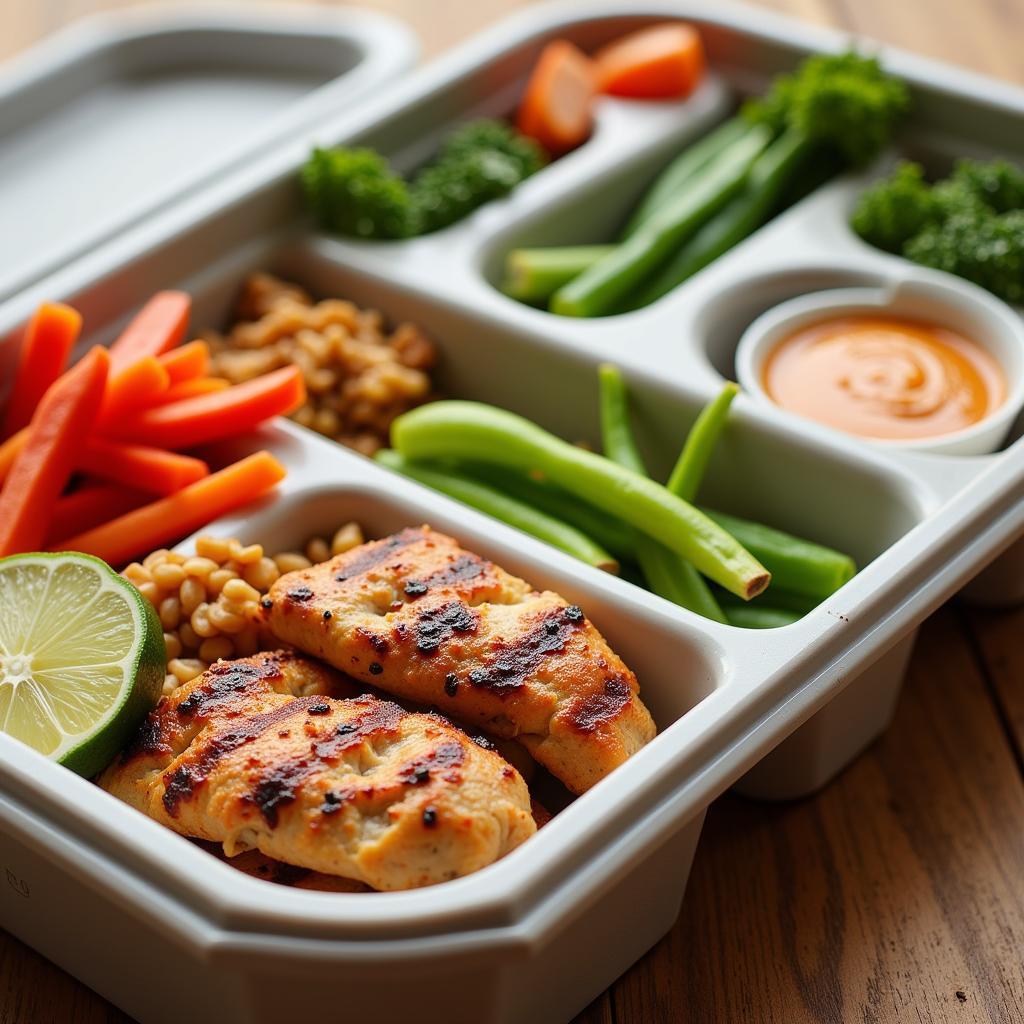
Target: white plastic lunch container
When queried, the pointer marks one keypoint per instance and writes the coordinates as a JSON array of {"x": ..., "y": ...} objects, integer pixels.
[{"x": 132, "y": 909}]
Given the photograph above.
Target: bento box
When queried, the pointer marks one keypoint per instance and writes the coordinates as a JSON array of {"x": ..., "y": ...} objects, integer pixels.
[
  {"x": 775, "y": 712},
  {"x": 189, "y": 92}
]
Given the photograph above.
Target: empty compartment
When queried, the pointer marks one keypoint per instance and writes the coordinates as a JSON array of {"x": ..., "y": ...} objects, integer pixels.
[{"x": 144, "y": 109}]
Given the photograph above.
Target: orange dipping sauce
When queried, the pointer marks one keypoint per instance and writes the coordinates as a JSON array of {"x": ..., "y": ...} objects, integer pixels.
[{"x": 884, "y": 377}]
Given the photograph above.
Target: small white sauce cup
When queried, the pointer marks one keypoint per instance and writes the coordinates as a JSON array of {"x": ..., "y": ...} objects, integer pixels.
[{"x": 928, "y": 296}]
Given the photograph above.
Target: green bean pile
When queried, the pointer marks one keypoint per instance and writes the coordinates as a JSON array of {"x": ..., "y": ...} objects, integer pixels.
[{"x": 607, "y": 511}]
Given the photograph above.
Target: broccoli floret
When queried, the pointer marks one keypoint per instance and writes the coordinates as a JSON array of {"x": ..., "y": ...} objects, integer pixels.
[
  {"x": 981, "y": 246},
  {"x": 955, "y": 198},
  {"x": 447, "y": 191},
  {"x": 844, "y": 101},
  {"x": 481, "y": 161},
  {"x": 488, "y": 134},
  {"x": 355, "y": 192},
  {"x": 997, "y": 183},
  {"x": 896, "y": 208}
]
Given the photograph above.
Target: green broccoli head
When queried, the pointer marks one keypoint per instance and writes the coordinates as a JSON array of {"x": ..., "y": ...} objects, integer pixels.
[
  {"x": 954, "y": 197},
  {"x": 480, "y": 161},
  {"x": 355, "y": 192},
  {"x": 447, "y": 191},
  {"x": 844, "y": 101},
  {"x": 997, "y": 183},
  {"x": 487, "y": 135},
  {"x": 979, "y": 245},
  {"x": 893, "y": 210}
]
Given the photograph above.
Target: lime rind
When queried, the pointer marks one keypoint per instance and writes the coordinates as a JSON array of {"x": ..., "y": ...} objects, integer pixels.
[{"x": 78, "y": 708}]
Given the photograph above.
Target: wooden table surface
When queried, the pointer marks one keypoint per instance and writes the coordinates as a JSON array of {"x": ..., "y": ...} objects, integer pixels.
[{"x": 897, "y": 894}]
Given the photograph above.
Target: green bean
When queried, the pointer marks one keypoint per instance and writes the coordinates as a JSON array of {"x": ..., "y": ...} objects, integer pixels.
[
  {"x": 770, "y": 176},
  {"x": 476, "y": 432},
  {"x": 672, "y": 577},
  {"x": 610, "y": 281},
  {"x": 479, "y": 496},
  {"x": 676, "y": 175},
  {"x": 688, "y": 472},
  {"x": 668, "y": 574},
  {"x": 799, "y": 566},
  {"x": 534, "y": 275},
  {"x": 776, "y": 597},
  {"x": 760, "y": 616},
  {"x": 608, "y": 531},
  {"x": 616, "y": 434}
]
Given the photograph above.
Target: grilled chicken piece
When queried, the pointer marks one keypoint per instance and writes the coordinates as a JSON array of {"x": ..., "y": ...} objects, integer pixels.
[
  {"x": 259, "y": 865},
  {"x": 260, "y": 754},
  {"x": 419, "y": 617}
]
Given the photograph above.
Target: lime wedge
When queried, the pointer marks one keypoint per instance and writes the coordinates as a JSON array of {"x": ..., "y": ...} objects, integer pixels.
[{"x": 82, "y": 657}]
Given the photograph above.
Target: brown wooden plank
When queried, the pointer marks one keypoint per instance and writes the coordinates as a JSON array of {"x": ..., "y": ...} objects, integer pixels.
[
  {"x": 999, "y": 639},
  {"x": 983, "y": 35},
  {"x": 879, "y": 900},
  {"x": 598, "y": 1012},
  {"x": 34, "y": 991},
  {"x": 438, "y": 23}
]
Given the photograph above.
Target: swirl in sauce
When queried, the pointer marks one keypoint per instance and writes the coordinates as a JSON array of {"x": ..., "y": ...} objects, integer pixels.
[{"x": 884, "y": 377}]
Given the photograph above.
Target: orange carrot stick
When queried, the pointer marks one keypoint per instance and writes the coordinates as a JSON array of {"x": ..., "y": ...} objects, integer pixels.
[
  {"x": 158, "y": 326},
  {"x": 213, "y": 417},
  {"x": 89, "y": 506},
  {"x": 661, "y": 62},
  {"x": 164, "y": 521},
  {"x": 10, "y": 450},
  {"x": 137, "y": 465},
  {"x": 556, "y": 109},
  {"x": 56, "y": 437},
  {"x": 191, "y": 388},
  {"x": 151, "y": 469},
  {"x": 132, "y": 388},
  {"x": 45, "y": 347},
  {"x": 187, "y": 362}
]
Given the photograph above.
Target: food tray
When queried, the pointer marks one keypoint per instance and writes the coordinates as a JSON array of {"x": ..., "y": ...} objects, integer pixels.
[
  {"x": 145, "y": 106},
  {"x": 539, "y": 934}
]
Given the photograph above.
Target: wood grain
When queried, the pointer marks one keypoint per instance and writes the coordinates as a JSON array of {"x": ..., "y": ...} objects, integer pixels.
[
  {"x": 895, "y": 895},
  {"x": 880, "y": 899},
  {"x": 997, "y": 637}
]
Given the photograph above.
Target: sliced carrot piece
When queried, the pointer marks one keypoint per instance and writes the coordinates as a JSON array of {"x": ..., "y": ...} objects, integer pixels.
[
  {"x": 164, "y": 521},
  {"x": 56, "y": 438},
  {"x": 191, "y": 388},
  {"x": 213, "y": 417},
  {"x": 158, "y": 326},
  {"x": 187, "y": 362},
  {"x": 9, "y": 451},
  {"x": 556, "y": 109},
  {"x": 661, "y": 62},
  {"x": 89, "y": 506},
  {"x": 138, "y": 465},
  {"x": 133, "y": 465},
  {"x": 45, "y": 347},
  {"x": 132, "y": 388}
]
